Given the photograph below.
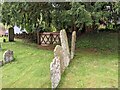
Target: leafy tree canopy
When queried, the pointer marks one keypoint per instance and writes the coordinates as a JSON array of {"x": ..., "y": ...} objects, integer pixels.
[{"x": 52, "y": 16}]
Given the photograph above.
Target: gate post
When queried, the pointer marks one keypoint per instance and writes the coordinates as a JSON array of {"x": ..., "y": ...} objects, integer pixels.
[
  {"x": 38, "y": 38},
  {"x": 51, "y": 38}
]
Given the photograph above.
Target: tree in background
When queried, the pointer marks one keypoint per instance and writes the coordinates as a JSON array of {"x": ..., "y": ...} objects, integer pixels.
[{"x": 54, "y": 16}]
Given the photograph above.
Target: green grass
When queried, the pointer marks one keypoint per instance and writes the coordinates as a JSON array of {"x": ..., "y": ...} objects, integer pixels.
[
  {"x": 30, "y": 68},
  {"x": 95, "y": 64},
  {"x": 91, "y": 69},
  {"x": 101, "y": 41}
]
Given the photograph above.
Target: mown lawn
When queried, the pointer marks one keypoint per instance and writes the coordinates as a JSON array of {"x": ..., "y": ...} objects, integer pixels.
[
  {"x": 95, "y": 64},
  {"x": 30, "y": 68}
]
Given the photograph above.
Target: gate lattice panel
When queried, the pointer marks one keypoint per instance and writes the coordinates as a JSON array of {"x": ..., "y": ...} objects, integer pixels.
[{"x": 49, "y": 38}]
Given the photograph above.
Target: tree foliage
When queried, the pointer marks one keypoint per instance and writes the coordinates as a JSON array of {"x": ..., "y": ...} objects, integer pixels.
[{"x": 51, "y": 16}]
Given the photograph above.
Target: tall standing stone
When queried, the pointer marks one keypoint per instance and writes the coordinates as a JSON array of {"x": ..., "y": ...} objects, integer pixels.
[
  {"x": 55, "y": 72},
  {"x": 73, "y": 44},
  {"x": 58, "y": 52},
  {"x": 11, "y": 34},
  {"x": 65, "y": 47}
]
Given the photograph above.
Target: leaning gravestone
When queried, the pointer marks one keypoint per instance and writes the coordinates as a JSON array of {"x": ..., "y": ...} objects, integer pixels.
[
  {"x": 55, "y": 72},
  {"x": 58, "y": 52},
  {"x": 8, "y": 56},
  {"x": 11, "y": 34},
  {"x": 65, "y": 47},
  {"x": 73, "y": 44}
]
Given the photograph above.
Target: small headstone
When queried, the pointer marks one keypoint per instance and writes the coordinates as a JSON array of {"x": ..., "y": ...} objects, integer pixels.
[
  {"x": 11, "y": 34},
  {"x": 73, "y": 44},
  {"x": 65, "y": 47},
  {"x": 58, "y": 52},
  {"x": 55, "y": 72},
  {"x": 1, "y": 63},
  {"x": 8, "y": 56},
  {"x": 4, "y": 40},
  {"x": 0, "y": 46}
]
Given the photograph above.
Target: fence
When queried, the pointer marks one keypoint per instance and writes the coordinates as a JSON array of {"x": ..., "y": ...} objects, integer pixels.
[
  {"x": 48, "y": 38},
  {"x": 41, "y": 38}
]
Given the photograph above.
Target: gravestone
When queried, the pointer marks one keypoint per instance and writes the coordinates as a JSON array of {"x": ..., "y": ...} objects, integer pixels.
[
  {"x": 58, "y": 52},
  {"x": 1, "y": 63},
  {"x": 11, "y": 34},
  {"x": 0, "y": 46},
  {"x": 65, "y": 47},
  {"x": 8, "y": 56},
  {"x": 4, "y": 40},
  {"x": 55, "y": 72},
  {"x": 73, "y": 44}
]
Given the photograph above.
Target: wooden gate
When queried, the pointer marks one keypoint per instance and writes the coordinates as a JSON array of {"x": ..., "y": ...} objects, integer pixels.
[{"x": 48, "y": 38}]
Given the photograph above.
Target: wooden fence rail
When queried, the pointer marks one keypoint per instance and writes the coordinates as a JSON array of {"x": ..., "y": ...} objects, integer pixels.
[
  {"x": 48, "y": 38},
  {"x": 41, "y": 38}
]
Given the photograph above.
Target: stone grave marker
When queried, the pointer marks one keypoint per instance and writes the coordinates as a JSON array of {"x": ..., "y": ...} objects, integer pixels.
[
  {"x": 1, "y": 63},
  {"x": 58, "y": 52},
  {"x": 73, "y": 44},
  {"x": 65, "y": 47},
  {"x": 0, "y": 46},
  {"x": 55, "y": 72},
  {"x": 11, "y": 34},
  {"x": 8, "y": 56}
]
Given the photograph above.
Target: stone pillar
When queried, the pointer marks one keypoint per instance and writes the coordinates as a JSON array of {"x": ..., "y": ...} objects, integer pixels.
[
  {"x": 55, "y": 72},
  {"x": 11, "y": 34},
  {"x": 65, "y": 47},
  {"x": 73, "y": 44}
]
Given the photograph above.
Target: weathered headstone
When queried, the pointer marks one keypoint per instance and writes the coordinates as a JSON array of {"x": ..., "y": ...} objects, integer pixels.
[
  {"x": 1, "y": 63},
  {"x": 73, "y": 44},
  {"x": 8, "y": 56},
  {"x": 55, "y": 72},
  {"x": 58, "y": 52},
  {"x": 65, "y": 47},
  {"x": 11, "y": 34}
]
